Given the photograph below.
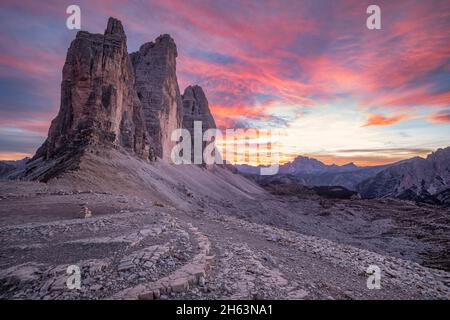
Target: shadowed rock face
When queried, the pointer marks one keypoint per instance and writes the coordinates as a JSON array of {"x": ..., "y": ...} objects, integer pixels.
[
  {"x": 99, "y": 105},
  {"x": 157, "y": 87},
  {"x": 196, "y": 108}
]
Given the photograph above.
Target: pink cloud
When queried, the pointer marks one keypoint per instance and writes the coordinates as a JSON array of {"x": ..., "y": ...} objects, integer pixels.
[
  {"x": 441, "y": 117},
  {"x": 301, "y": 54},
  {"x": 384, "y": 70}
]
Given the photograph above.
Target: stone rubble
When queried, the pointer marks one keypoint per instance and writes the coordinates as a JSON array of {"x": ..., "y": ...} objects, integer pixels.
[
  {"x": 184, "y": 278},
  {"x": 166, "y": 253}
]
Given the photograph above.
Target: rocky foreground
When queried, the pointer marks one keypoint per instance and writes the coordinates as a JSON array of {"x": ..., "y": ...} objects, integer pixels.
[{"x": 205, "y": 245}]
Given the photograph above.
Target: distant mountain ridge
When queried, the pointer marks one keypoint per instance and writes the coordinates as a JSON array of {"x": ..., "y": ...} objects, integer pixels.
[
  {"x": 9, "y": 166},
  {"x": 301, "y": 164},
  {"x": 413, "y": 179},
  {"x": 417, "y": 179},
  {"x": 312, "y": 172}
]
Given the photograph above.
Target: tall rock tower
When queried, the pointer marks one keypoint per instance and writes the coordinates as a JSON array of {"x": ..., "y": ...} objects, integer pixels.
[
  {"x": 99, "y": 106},
  {"x": 112, "y": 99},
  {"x": 196, "y": 108},
  {"x": 98, "y": 102},
  {"x": 157, "y": 87}
]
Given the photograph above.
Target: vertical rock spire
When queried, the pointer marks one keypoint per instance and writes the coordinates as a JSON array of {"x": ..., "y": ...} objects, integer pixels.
[
  {"x": 196, "y": 108},
  {"x": 98, "y": 102},
  {"x": 157, "y": 87}
]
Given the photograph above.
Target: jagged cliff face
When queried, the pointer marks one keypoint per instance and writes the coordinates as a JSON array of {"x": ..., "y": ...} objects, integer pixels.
[
  {"x": 157, "y": 87},
  {"x": 112, "y": 99},
  {"x": 99, "y": 105},
  {"x": 196, "y": 108},
  {"x": 411, "y": 179}
]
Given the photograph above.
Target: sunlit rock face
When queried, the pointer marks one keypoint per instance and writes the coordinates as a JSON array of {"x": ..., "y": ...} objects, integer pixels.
[
  {"x": 157, "y": 87},
  {"x": 99, "y": 105}
]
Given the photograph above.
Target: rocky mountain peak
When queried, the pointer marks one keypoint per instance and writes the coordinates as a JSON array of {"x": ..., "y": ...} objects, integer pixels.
[
  {"x": 302, "y": 159},
  {"x": 302, "y": 164},
  {"x": 167, "y": 41},
  {"x": 349, "y": 166},
  {"x": 113, "y": 99},
  {"x": 114, "y": 27},
  {"x": 99, "y": 105},
  {"x": 196, "y": 107},
  {"x": 411, "y": 179},
  {"x": 164, "y": 42},
  {"x": 157, "y": 87},
  {"x": 441, "y": 154}
]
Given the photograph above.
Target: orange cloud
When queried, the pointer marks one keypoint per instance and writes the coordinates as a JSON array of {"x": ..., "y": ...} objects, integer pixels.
[{"x": 380, "y": 120}]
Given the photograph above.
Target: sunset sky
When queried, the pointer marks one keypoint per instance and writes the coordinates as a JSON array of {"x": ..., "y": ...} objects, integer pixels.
[{"x": 340, "y": 92}]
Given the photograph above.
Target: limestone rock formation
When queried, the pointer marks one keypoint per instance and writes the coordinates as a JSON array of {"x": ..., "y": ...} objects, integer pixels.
[
  {"x": 99, "y": 105},
  {"x": 113, "y": 99},
  {"x": 157, "y": 87},
  {"x": 98, "y": 102},
  {"x": 196, "y": 108},
  {"x": 413, "y": 179}
]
